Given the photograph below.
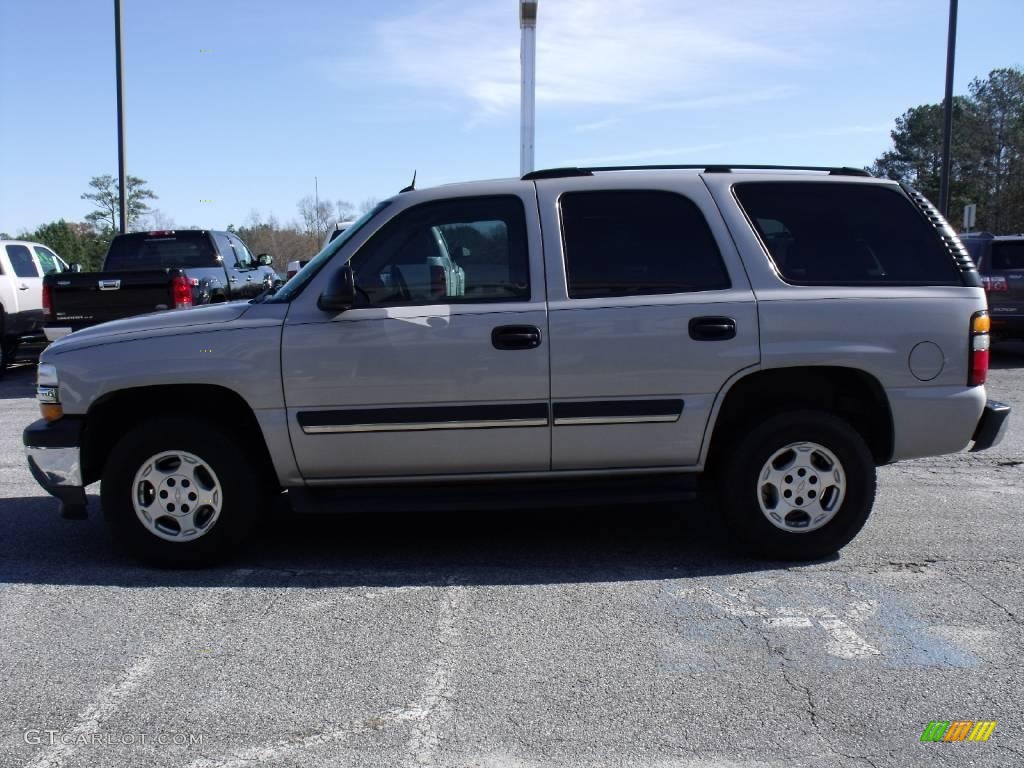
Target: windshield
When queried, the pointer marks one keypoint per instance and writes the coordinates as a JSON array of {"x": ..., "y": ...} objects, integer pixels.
[
  {"x": 294, "y": 287},
  {"x": 1008, "y": 254}
]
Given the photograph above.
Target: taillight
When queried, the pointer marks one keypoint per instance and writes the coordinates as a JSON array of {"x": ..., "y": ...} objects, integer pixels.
[
  {"x": 978, "y": 363},
  {"x": 181, "y": 292},
  {"x": 292, "y": 273},
  {"x": 438, "y": 282},
  {"x": 994, "y": 284},
  {"x": 47, "y": 302}
]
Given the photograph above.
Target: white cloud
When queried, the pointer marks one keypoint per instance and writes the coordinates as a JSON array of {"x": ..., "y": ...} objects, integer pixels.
[
  {"x": 597, "y": 125},
  {"x": 682, "y": 54}
]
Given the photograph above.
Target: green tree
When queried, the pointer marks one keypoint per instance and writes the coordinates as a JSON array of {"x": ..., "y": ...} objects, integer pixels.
[
  {"x": 76, "y": 243},
  {"x": 987, "y": 142},
  {"x": 106, "y": 197}
]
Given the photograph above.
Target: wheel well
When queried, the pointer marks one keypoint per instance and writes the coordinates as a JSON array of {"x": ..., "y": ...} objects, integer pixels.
[
  {"x": 854, "y": 395},
  {"x": 114, "y": 414}
]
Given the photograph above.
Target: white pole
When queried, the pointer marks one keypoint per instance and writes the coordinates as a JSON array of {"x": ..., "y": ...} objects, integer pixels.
[{"x": 528, "y": 61}]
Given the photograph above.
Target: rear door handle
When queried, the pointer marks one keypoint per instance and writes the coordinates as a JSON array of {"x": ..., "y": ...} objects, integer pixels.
[
  {"x": 515, "y": 337},
  {"x": 712, "y": 328}
]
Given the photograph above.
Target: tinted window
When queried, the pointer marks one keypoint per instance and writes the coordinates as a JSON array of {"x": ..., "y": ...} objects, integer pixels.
[
  {"x": 630, "y": 243},
  {"x": 21, "y": 261},
  {"x": 144, "y": 251},
  {"x": 846, "y": 234},
  {"x": 464, "y": 250},
  {"x": 48, "y": 261},
  {"x": 1008, "y": 255}
]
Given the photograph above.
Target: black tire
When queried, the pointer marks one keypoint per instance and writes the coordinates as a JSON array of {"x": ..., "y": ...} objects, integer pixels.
[
  {"x": 243, "y": 498},
  {"x": 740, "y": 485}
]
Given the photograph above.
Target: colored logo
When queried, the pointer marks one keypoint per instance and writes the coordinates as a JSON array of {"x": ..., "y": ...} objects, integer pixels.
[{"x": 958, "y": 730}]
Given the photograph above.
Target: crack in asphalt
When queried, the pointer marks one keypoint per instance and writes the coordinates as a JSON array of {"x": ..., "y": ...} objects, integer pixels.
[{"x": 984, "y": 594}]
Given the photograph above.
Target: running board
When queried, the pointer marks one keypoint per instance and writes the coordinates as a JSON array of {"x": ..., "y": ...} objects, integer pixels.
[{"x": 496, "y": 494}]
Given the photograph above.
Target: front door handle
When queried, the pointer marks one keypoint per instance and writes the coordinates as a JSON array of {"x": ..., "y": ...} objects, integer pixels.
[
  {"x": 22, "y": 287},
  {"x": 712, "y": 328},
  {"x": 515, "y": 337}
]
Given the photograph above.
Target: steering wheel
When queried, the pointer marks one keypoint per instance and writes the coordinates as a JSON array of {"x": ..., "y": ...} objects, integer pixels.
[{"x": 398, "y": 281}]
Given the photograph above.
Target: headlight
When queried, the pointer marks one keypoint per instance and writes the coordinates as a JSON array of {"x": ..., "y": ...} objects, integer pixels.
[
  {"x": 46, "y": 375},
  {"x": 48, "y": 392}
]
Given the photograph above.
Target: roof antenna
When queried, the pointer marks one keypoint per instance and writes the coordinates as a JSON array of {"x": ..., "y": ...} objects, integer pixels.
[{"x": 411, "y": 186}]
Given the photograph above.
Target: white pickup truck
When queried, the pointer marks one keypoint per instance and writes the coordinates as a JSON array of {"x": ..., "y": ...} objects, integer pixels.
[{"x": 22, "y": 266}]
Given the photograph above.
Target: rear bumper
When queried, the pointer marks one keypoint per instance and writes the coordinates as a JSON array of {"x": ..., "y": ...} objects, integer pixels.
[
  {"x": 54, "y": 457},
  {"x": 53, "y": 333},
  {"x": 991, "y": 426}
]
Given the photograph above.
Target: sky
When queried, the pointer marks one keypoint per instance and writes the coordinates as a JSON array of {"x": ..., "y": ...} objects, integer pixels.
[{"x": 235, "y": 106}]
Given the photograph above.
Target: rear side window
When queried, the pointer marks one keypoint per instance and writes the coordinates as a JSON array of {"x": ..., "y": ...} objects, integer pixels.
[
  {"x": 143, "y": 251},
  {"x": 21, "y": 261},
  {"x": 1008, "y": 255},
  {"x": 846, "y": 234},
  {"x": 637, "y": 242}
]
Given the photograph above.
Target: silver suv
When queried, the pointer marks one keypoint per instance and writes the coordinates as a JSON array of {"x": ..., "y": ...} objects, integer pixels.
[{"x": 612, "y": 334}]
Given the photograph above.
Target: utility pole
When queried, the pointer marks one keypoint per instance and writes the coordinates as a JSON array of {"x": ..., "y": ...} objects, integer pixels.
[
  {"x": 316, "y": 209},
  {"x": 527, "y": 62},
  {"x": 122, "y": 180},
  {"x": 947, "y": 131}
]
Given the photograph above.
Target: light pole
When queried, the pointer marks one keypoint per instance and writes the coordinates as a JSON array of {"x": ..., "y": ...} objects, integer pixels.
[
  {"x": 527, "y": 62},
  {"x": 947, "y": 129},
  {"x": 122, "y": 181}
]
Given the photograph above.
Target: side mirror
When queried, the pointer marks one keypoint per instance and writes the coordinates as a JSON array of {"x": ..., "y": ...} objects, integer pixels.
[
  {"x": 340, "y": 293},
  {"x": 264, "y": 259},
  {"x": 75, "y": 267}
]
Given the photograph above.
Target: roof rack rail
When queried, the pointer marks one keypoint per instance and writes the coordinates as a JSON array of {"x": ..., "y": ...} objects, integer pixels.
[
  {"x": 556, "y": 173},
  {"x": 559, "y": 173}
]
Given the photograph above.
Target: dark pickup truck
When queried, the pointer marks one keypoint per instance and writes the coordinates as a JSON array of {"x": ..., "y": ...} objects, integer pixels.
[
  {"x": 1000, "y": 261},
  {"x": 151, "y": 271}
]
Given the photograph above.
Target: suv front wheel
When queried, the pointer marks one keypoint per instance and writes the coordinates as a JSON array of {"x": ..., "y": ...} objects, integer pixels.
[
  {"x": 799, "y": 485},
  {"x": 178, "y": 492}
]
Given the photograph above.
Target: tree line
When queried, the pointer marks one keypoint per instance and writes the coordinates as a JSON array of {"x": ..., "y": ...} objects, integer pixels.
[{"x": 86, "y": 242}]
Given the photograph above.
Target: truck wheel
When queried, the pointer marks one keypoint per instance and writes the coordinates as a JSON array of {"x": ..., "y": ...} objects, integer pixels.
[
  {"x": 5, "y": 356},
  {"x": 179, "y": 493},
  {"x": 798, "y": 486}
]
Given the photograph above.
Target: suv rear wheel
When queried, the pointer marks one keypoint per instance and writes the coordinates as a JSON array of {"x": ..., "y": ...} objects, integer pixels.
[
  {"x": 178, "y": 492},
  {"x": 798, "y": 486}
]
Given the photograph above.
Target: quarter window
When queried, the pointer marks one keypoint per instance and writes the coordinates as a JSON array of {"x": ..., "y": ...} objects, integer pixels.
[
  {"x": 633, "y": 243},
  {"x": 463, "y": 250},
  {"x": 821, "y": 233}
]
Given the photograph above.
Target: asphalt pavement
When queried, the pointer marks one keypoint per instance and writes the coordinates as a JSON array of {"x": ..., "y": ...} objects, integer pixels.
[{"x": 624, "y": 637}]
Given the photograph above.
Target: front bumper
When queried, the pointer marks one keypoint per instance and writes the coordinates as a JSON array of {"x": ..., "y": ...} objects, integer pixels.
[
  {"x": 54, "y": 457},
  {"x": 991, "y": 426}
]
